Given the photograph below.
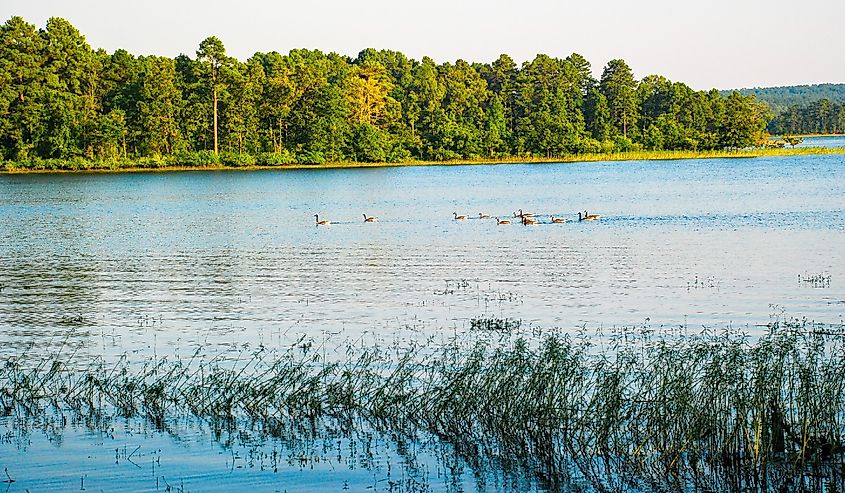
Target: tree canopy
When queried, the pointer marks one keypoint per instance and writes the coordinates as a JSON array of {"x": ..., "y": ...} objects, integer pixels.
[
  {"x": 61, "y": 99},
  {"x": 818, "y": 117}
]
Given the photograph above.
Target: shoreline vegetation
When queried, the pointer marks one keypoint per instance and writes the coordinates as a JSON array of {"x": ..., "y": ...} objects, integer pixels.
[
  {"x": 171, "y": 164},
  {"x": 644, "y": 410},
  {"x": 65, "y": 105}
]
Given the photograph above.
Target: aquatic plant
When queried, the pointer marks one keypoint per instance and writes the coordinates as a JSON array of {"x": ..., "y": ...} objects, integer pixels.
[
  {"x": 495, "y": 324},
  {"x": 647, "y": 411},
  {"x": 819, "y": 280}
]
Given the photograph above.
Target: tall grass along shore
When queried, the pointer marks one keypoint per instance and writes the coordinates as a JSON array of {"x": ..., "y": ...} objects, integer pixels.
[
  {"x": 208, "y": 161},
  {"x": 642, "y": 410}
]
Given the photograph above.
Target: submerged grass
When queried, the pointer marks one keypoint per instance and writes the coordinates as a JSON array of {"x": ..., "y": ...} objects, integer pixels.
[{"x": 648, "y": 412}]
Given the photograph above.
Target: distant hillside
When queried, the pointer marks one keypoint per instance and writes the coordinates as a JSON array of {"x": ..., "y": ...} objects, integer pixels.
[{"x": 780, "y": 98}]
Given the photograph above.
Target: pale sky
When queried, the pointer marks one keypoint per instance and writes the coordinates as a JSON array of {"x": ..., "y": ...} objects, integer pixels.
[{"x": 715, "y": 43}]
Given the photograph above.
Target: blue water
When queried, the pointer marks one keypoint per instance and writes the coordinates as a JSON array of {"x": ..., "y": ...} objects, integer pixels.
[
  {"x": 823, "y": 141},
  {"x": 219, "y": 258},
  {"x": 161, "y": 263}
]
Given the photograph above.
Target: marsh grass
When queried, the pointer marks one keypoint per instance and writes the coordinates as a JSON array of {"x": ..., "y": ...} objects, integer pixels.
[
  {"x": 647, "y": 411},
  {"x": 161, "y": 164},
  {"x": 495, "y": 324},
  {"x": 818, "y": 280}
]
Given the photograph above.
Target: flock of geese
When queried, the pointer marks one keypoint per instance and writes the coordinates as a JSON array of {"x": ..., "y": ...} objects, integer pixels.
[
  {"x": 324, "y": 222},
  {"x": 526, "y": 218},
  {"x": 529, "y": 218}
]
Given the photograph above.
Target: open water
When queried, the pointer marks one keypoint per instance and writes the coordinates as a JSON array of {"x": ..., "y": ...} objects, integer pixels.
[{"x": 157, "y": 263}]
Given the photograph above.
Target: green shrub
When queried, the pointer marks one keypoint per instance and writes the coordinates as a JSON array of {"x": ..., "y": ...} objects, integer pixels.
[
  {"x": 195, "y": 158},
  {"x": 77, "y": 163},
  {"x": 591, "y": 146},
  {"x": 152, "y": 162},
  {"x": 398, "y": 154},
  {"x": 275, "y": 158},
  {"x": 444, "y": 155},
  {"x": 606, "y": 146},
  {"x": 622, "y": 144},
  {"x": 310, "y": 157},
  {"x": 236, "y": 159}
]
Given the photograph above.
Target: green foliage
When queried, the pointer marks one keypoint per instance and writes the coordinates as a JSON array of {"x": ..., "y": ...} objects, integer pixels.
[
  {"x": 819, "y": 117},
  {"x": 369, "y": 143},
  {"x": 780, "y": 98},
  {"x": 622, "y": 144},
  {"x": 196, "y": 158},
  {"x": 619, "y": 88},
  {"x": 158, "y": 107},
  {"x": 807, "y": 109},
  {"x": 152, "y": 162},
  {"x": 310, "y": 157},
  {"x": 741, "y": 125},
  {"x": 212, "y": 58},
  {"x": 274, "y": 158},
  {"x": 792, "y": 140},
  {"x": 237, "y": 159},
  {"x": 62, "y": 103}
]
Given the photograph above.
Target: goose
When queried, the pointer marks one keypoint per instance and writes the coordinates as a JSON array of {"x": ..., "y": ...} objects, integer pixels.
[
  {"x": 370, "y": 219},
  {"x": 459, "y": 218},
  {"x": 321, "y": 223},
  {"x": 502, "y": 221},
  {"x": 523, "y": 214},
  {"x": 482, "y": 215},
  {"x": 528, "y": 221},
  {"x": 558, "y": 220},
  {"x": 591, "y": 217}
]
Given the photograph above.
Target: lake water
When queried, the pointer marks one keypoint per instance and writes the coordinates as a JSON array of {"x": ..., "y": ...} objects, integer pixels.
[
  {"x": 823, "y": 141},
  {"x": 217, "y": 258},
  {"x": 157, "y": 263}
]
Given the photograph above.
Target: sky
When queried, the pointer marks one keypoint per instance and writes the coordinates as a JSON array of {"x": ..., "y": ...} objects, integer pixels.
[{"x": 716, "y": 43}]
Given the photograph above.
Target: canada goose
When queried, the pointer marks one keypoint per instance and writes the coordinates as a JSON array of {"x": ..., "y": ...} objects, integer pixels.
[
  {"x": 459, "y": 218},
  {"x": 523, "y": 214},
  {"x": 588, "y": 217},
  {"x": 481, "y": 215},
  {"x": 321, "y": 223},
  {"x": 502, "y": 221},
  {"x": 370, "y": 219},
  {"x": 558, "y": 220},
  {"x": 528, "y": 221}
]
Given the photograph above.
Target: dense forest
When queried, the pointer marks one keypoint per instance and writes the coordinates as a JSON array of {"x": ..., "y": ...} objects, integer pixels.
[
  {"x": 63, "y": 102},
  {"x": 819, "y": 117},
  {"x": 781, "y": 98},
  {"x": 808, "y": 109}
]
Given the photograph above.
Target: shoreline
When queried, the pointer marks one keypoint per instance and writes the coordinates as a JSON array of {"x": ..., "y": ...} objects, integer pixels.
[{"x": 11, "y": 169}]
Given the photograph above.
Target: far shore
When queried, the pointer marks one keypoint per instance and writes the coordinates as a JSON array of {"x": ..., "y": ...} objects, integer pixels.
[{"x": 105, "y": 167}]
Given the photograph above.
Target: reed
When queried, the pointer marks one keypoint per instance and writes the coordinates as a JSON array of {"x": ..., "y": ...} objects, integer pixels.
[
  {"x": 645, "y": 411},
  {"x": 267, "y": 161}
]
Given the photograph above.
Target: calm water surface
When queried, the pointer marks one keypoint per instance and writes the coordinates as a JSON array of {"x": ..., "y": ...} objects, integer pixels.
[
  {"x": 217, "y": 258},
  {"x": 156, "y": 263},
  {"x": 823, "y": 141}
]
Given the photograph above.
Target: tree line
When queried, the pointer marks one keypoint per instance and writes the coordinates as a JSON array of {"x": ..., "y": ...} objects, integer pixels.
[
  {"x": 818, "y": 117},
  {"x": 62, "y": 100},
  {"x": 804, "y": 109},
  {"x": 782, "y": 97}
]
